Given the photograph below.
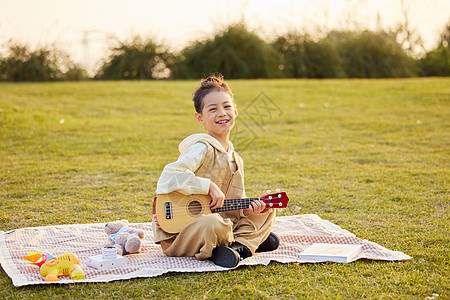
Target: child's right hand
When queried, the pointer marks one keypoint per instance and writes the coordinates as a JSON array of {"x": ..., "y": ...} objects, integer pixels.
[{"x": 217, "y": 196}]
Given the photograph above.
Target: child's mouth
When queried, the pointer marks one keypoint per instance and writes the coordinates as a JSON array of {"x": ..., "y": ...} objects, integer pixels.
[{"x": 221, "y": 122}]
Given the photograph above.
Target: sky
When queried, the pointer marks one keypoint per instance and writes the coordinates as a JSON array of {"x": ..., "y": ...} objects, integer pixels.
[{"x": 86, "y": 28}]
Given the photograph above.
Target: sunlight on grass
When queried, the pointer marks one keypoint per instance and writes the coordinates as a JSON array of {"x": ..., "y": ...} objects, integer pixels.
[{"x": 369, "y": 155}]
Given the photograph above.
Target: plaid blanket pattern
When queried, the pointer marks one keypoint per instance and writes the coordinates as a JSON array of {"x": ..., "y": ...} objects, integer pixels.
[{"x": 296, "y": 233}]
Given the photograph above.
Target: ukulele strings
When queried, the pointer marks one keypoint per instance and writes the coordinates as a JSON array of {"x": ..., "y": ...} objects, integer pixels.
[
  {"x": 186, "y": 207},
  {"x": 227, "y": 206}
]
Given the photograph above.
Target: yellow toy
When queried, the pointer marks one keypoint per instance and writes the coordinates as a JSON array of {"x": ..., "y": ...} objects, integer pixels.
[{"x": 66, "y": 264}]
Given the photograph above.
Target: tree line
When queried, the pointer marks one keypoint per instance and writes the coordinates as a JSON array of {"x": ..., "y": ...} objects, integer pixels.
[{"x": 237, "y": 52}]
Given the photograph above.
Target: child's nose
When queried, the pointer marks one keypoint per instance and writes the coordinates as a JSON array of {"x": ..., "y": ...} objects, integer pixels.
[{"x": 221, "y": 111}]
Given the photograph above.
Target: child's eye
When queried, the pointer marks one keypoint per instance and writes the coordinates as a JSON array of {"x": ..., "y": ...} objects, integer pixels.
[{"x": 212, "y": 109}]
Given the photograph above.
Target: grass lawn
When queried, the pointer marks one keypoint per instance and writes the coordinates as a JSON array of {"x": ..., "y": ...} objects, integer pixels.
[{"x": 371, "y": 156}]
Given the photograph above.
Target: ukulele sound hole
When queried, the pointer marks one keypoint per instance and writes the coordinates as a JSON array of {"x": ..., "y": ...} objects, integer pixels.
[{"x": 195, "y": 208}]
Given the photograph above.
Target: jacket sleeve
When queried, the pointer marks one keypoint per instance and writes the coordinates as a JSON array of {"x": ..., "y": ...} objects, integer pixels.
[{"x": 179, "y": 176}]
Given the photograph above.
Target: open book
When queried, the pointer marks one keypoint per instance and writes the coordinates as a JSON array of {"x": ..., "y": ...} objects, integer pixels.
[{"x": 330, "y": 252}]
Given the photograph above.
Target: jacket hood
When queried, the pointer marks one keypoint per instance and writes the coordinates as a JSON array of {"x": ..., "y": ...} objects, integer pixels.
[{"x": 201, "y": 137}]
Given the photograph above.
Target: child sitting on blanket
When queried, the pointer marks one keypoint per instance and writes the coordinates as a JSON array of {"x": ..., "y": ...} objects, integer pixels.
[{"x": 209, "y": 165}]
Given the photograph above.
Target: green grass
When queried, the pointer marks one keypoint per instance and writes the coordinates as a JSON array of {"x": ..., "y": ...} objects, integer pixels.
[{"x": 369, "y": 155}]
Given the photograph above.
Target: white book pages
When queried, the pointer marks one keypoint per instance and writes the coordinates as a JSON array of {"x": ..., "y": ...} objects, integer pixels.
[{"x": 330, "y": 252}]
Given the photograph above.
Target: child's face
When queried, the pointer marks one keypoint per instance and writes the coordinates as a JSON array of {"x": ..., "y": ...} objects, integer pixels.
[{"x": 218, "y": 114}]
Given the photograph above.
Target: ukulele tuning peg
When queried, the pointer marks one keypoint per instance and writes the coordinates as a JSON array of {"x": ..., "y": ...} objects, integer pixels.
[
  {"x": 278, "y": 190},
  {"x": 268, "y": 191}
]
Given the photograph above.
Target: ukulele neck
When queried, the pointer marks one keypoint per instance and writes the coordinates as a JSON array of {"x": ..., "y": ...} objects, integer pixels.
[{"x": 235, "y": 204}]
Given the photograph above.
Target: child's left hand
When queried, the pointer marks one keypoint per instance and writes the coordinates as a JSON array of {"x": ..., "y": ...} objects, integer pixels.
[{"x": 255, "y": 207}]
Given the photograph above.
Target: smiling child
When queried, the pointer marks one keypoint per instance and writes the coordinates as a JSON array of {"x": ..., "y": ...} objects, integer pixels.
[{"x": 209, "y": 165}]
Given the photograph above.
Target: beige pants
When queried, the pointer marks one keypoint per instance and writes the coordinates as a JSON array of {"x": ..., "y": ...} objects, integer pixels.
[{"x": 207, "y": 232}]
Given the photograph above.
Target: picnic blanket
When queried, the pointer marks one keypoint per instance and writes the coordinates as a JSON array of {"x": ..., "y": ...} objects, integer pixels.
[{"x": 296, "y": 233}]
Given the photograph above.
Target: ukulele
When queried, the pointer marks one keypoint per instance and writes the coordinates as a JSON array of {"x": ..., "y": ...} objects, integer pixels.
[{"x": 173, "y": 211}]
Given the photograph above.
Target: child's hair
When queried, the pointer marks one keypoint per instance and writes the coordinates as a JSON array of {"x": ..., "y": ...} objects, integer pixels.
[{"x": 213, "y": 83}]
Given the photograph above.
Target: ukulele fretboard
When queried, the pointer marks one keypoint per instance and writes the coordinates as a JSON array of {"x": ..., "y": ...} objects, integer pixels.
[{"x": 234, "y": 204}]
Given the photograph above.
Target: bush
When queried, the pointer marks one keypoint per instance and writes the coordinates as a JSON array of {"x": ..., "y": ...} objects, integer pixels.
[
  {"x": 137, "y": 59},
  {"x": 369, "y": 54},
  {"x": 43, "y": 64},
  {"x": 75, "y": 73},
  {"x": 234, "y": 52},
  {"x": 301, "y": 57},
  {"x": 437, "y": 61}
]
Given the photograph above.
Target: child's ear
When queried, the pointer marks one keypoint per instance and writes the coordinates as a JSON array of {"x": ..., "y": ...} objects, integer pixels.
[
  {"x": 199, "y": 117},
  {"x": 236, "y": 110}
]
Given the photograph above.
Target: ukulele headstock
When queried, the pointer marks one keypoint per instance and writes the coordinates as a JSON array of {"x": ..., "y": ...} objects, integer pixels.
[{"x": 275, "y": 200}]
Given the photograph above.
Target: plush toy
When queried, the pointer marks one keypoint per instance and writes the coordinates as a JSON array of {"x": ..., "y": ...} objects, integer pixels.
[{"x": 126, "y": 240}]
